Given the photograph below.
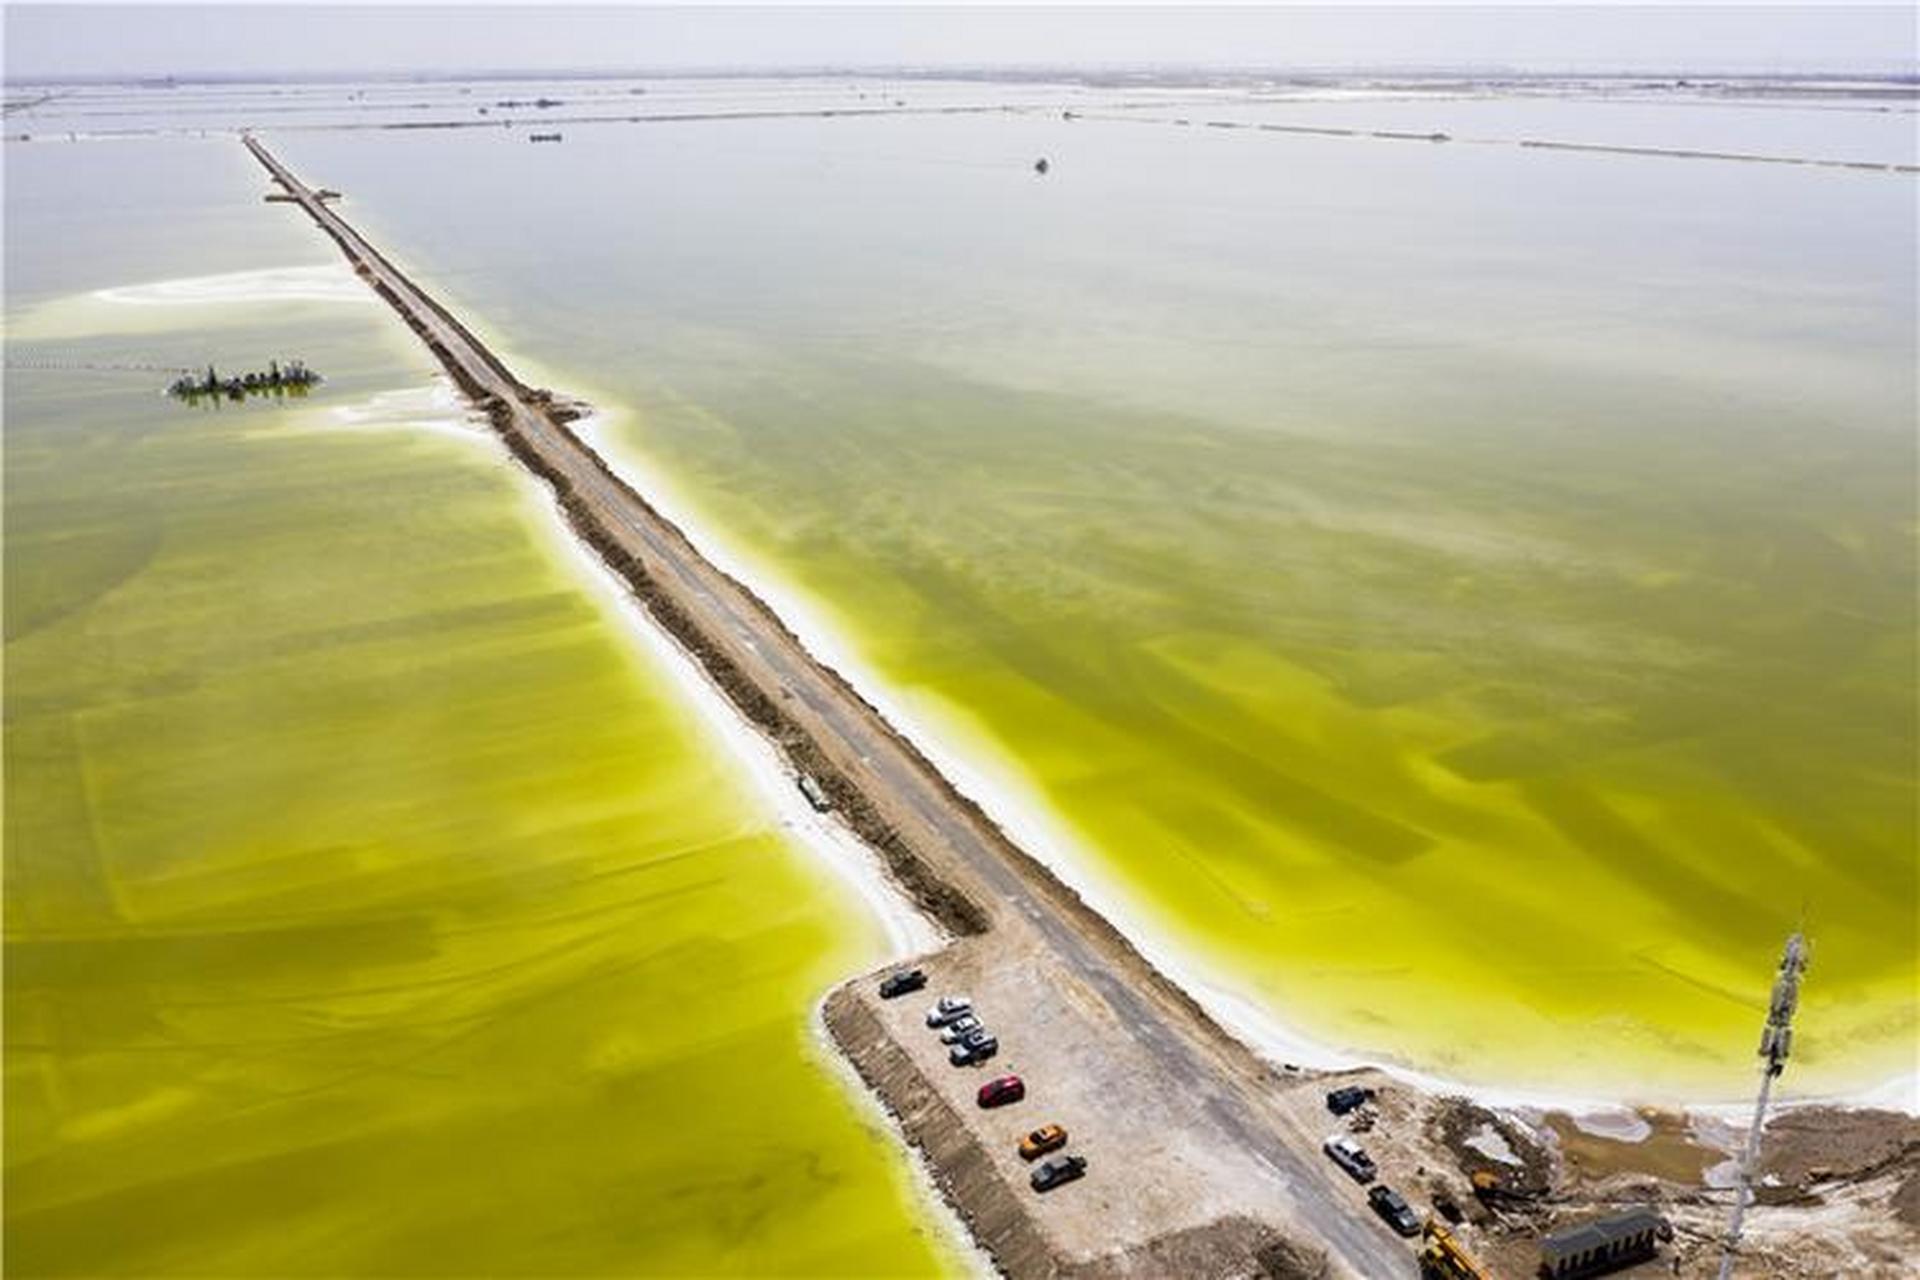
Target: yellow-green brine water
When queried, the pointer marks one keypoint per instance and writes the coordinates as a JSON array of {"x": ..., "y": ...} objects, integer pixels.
[{"x": 379, "y": 901}]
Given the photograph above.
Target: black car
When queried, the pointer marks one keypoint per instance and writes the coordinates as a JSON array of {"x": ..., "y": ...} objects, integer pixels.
[
  {"x": 899, "y": 984},
  {"x": 1058, "y": 1170},
  {"x": 977, "y": 1047},
  {"x": 1351, "y": 1098},
  {"x": 1394, "y": 1209}
]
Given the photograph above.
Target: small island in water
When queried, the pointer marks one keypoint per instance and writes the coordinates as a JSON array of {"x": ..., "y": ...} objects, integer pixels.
[{"x": 294, "y": 379}]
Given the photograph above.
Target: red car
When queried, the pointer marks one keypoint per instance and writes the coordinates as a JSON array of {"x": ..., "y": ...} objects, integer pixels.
[{"x": 998, "y": 1093}]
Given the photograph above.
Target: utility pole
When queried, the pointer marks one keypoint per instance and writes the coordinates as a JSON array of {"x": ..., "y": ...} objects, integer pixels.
[{"x": 1776, "y": 1041}]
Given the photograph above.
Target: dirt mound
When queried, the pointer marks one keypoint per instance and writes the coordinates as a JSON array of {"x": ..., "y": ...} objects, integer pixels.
[
  {"x": 1906, "y": 1200},
  {"x": 1478, "y": 1139},
  {"x": 1285, "y": 1260},
  {"x": 1819, "y": 1144},
  {"x": 1233, "y": 1248}
]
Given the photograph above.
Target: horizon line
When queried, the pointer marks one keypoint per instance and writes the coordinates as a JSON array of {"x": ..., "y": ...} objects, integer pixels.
[{"x": 1898, "y": 73}]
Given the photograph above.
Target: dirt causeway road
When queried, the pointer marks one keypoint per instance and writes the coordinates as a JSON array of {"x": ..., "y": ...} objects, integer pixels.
[{"x": 1203, "y": 1159}]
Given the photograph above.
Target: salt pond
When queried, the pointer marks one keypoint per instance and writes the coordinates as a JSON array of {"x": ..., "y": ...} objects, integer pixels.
[
  {"x": 1459, "y": 598},
  {"x": 378, "y": 902}
]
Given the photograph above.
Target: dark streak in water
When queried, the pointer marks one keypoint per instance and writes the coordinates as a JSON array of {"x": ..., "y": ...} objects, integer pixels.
[{"x": 1676, "y": 153}]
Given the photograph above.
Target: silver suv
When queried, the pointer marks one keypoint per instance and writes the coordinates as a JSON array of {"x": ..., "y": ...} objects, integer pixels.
[
  {"x": 1349, "y": 1155},
  {"x": 948, "y": 1008}
]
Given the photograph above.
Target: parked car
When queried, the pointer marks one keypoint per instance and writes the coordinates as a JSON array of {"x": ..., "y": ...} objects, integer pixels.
[
  {"x": 1058, "y": 1170},
  {"x": 899, "y": 984},
  {"x": 1350, "y": 1098},
  {"x": 960, "y": 1028},
  {"x": 977, "y": 1047},
  {"x": 1349, "y": 1155},
  {"x": 1393, "y": 1207},
  {"x": 947, "y": 1008},
  {"x": 1048, "y": 1137},
  {"x": 999, "y": 1092}
]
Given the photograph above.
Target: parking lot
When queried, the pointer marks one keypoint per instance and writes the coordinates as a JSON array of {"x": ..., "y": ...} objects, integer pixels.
[{"x": 1156, "y": 1168}]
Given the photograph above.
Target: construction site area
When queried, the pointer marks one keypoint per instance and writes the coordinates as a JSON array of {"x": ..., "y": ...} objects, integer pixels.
[{"x": 1837, "y": 1191}]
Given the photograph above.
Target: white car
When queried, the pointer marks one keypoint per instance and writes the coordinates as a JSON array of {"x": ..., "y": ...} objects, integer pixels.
[
  {"x": 1349, "y": 1155},
  {"x": 959, "y": 1029},
  {"x": 948, "y": 1008}
]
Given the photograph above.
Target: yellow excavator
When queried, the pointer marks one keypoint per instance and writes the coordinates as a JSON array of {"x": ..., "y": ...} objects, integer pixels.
[{"x": 1443, "y": 1258}]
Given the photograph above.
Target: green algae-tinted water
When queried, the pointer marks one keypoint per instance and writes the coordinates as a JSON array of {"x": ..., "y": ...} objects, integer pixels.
[
  {"x": 1464, "y": 595},
  {"x": 376, "y": 902}
]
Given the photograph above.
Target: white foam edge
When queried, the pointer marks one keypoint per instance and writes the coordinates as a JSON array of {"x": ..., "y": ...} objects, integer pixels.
[
  {"x": 329, "y": 282},
  {"x": 1025, "y": 817},
  {"x": 773, "y": 783},
  {"x": 1013, "y": 804},
  {"x": 959, "y": 1241},
  {"x": 906, "y": 931}
]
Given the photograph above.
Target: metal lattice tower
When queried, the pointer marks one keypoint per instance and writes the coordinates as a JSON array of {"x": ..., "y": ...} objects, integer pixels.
[{"x": 1776, "y": 1041}]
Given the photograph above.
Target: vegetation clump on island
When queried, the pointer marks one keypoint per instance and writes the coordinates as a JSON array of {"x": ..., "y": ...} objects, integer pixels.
[{"x": 295, "y": 379}]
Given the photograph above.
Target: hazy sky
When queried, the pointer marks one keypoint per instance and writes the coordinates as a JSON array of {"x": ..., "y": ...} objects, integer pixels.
[{"x": 46, "y": 40}]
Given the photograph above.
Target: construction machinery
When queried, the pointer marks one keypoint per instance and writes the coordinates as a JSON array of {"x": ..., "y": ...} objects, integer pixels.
[
  {"x": 1493, "y": 1190},
  {"x": 1443, "y": 1257}
]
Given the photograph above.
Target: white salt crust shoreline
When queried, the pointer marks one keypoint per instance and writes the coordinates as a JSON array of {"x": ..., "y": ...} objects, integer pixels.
[
  {"x": 1003, "y": 797},
  {"x": 840, "y": 852},
  {"x": 442, "y": 411},
  {"x": 958, "y": 1242},
  {"x": 1012, "y": 803},
  {"x": 1026, "y": 819},
  {"x": 439, "y": 407}
]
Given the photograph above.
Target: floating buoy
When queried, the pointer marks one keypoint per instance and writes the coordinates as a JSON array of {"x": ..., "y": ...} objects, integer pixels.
[{"x": 1041, "y": 165}]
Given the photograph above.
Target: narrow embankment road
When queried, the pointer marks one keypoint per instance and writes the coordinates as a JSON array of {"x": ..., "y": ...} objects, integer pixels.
[{"x": 1184, "y": 1126}]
